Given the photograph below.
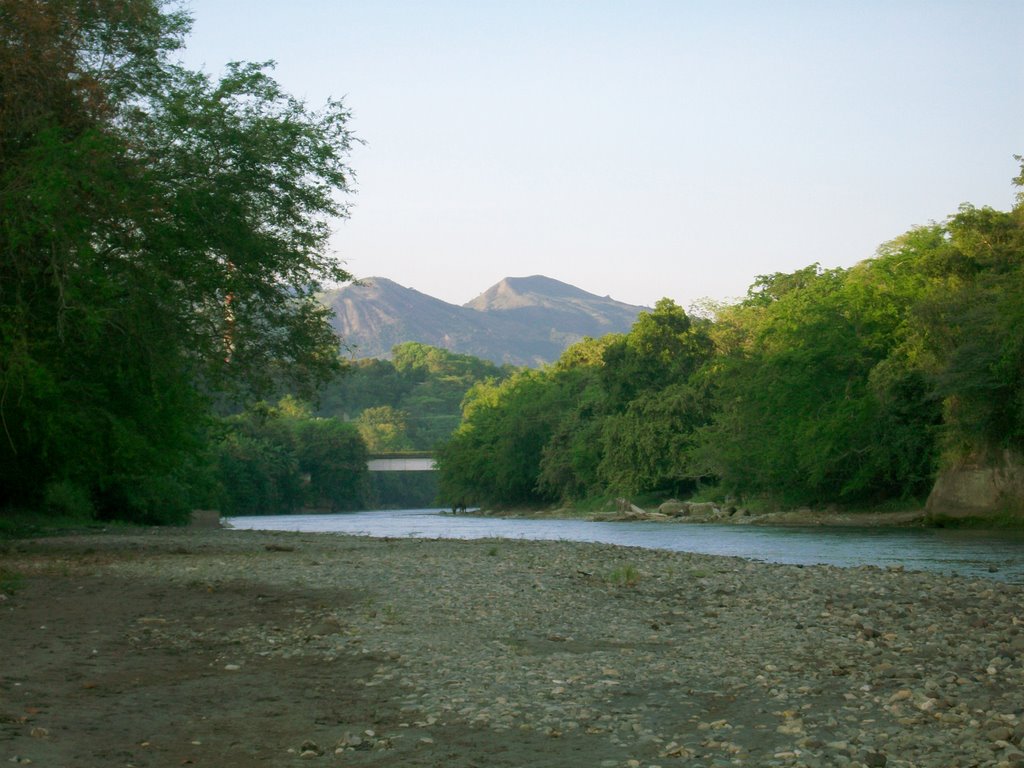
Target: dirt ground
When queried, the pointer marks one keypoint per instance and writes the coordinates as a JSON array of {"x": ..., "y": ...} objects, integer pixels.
[
  {"x": 87, "y": 682},
  {"x": 155, "y": 648},
  {"x": 88, "y": 677}
]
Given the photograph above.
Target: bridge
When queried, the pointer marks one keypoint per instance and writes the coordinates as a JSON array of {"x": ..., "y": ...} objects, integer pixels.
[{"x": 414, "y": 461}]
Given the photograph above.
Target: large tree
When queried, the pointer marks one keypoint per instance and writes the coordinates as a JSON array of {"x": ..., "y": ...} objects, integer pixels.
[{"x": 163, "y": 237}]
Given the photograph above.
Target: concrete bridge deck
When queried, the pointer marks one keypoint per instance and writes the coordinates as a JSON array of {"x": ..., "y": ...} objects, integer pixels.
[{"x": 401, "y": 464}]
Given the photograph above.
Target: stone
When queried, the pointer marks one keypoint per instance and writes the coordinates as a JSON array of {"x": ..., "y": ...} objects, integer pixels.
[
  {"x": 673, "y": 508},
  {"x": 978, "y": 487},
  {"x": 703, "y": 509},
  {"x": 874, "y": 759},
  {"x": 1000, "y": 733}
]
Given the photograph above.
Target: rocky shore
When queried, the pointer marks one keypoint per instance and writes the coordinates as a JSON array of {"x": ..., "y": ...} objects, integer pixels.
[
  {"x": 235, "y": 648},
  {"x": 673, "y": 511}
]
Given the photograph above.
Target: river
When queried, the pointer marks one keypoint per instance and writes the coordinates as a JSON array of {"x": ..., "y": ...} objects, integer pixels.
[{"x": 990, "y": 554}]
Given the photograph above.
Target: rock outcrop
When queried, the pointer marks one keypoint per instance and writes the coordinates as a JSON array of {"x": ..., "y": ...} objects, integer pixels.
[{"x": 979, "y": 487}]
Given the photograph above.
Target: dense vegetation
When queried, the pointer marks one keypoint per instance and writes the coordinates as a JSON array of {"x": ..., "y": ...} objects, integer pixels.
[
  {"x": 163, "y": 239},
  {"x": 278, "y": 459},
  {"x": 821, "y": 386},
  {"x": 411, "y": 402}
]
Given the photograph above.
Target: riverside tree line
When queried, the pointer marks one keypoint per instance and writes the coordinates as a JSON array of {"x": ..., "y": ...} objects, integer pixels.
[
  {"x": 821, "y": 386},
  {"x": 164, "y": 237}
]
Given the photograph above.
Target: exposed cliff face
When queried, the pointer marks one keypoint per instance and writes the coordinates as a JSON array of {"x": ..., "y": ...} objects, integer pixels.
[
  {"x": 979, "y": 487},
  {"x": 521, "y": 321}
]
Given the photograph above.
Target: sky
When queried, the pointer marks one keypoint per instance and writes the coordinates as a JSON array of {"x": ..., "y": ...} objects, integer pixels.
[{"x": 642, "y": 148}]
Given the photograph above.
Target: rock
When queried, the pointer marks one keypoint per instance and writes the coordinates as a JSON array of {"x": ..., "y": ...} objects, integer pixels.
[
  {"x": 205, "y": 518},
  {"x": 702, "y": 509},
  {"x": 874, "y": 759},
  {"x": 978, "y": 487},
  {"x": 324, "y": 627},
  {"x": 673, "y": 508}
]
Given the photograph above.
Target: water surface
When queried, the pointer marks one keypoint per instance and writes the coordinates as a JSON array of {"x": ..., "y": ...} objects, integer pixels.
[{"x": 998, "y": 555}]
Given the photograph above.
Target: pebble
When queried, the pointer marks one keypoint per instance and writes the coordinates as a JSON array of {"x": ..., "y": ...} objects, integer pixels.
[{"x": 751, "y": 663}]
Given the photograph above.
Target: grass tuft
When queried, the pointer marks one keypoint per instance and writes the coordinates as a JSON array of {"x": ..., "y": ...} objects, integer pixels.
[
  {"x": 10, "y": 581},
  {"x": 624, "y": 576}
]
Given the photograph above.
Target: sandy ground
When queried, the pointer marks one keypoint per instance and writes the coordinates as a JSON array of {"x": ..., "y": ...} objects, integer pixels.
[{"x": 241, "y": 648}]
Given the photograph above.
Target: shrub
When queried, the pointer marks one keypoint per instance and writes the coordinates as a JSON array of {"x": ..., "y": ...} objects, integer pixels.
[{"x": 66, "y": 498}]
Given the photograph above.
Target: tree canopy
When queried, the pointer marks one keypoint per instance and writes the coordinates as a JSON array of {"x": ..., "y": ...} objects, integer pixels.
[
  {"x": 164, "y": 235},
  {"x": 820, "y": 386}
]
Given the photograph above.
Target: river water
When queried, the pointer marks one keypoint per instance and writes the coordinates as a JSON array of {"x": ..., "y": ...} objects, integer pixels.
[{"x": 990, "y": 554}]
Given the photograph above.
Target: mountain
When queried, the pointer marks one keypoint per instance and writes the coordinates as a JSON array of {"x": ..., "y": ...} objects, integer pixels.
[{"x": 521, "y": 320}]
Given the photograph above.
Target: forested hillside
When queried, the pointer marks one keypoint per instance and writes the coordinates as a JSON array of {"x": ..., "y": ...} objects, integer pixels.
[
  {"x": 821, "y": 386},
  {"x": 411, "y": 402}
]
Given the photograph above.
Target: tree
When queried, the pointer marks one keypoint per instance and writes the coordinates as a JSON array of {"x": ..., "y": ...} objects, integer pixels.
[
  {"x": 494, "y": 457},
  {"x": 646, "y": 447},
  {"x": 425, "y": 383},
  {"x": 333, "y": 455},
  {"x": 164, "y": 236},
  {"x": 277, "y": 459},
  {"x": 818, "y": 394},
  {"x": 662, "y": 347},
  {"x": 383, "y": 429},
  {"x": 258, "y": 465},
  {"x": 982, "y": 339}
]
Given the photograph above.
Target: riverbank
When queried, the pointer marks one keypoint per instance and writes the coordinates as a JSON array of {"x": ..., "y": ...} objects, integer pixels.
[
  {"x": 239, "y": 648},
  {"x": 684, "y": 512}
]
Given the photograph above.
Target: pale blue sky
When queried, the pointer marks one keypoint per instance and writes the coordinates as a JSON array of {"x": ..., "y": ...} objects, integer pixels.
[{"x": 643, "y": 148}]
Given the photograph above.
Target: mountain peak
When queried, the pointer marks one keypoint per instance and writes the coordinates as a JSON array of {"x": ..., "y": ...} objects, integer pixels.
[
  {"x": 535, "y": 290},
  {"x": 520, "y": 320}
]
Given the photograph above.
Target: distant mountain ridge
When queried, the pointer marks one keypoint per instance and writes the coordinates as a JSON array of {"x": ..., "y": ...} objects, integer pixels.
[{"x": 520, "y": 320}]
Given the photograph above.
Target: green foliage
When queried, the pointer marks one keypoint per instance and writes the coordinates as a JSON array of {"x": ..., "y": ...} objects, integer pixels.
[
  {"x": 495, "y": 455},
  {"x": 982, "y": 375},
  {"x": 584, "y": 424},
  {"x": 662, "y": 347},
  {"x": 276, "y": 460},
  {"x": 814, "y": 399},
  {"x": 821, "y": 386},
  {"x": 411, "y": 402},
  {"x": 163, "y": 238},
  {"x": 333, "y": 456},
  {"x": 383, "y": 428},
  {"x": 64, "y": 498},
  {"x": 623, "y": 576},
  {"x": 647, "y": 446}
]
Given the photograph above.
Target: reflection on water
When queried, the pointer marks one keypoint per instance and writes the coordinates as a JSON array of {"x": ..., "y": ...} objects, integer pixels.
[{"x": 998, "y": 555}]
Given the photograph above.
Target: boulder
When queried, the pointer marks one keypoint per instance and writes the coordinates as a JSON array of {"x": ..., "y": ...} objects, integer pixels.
[
  {"x": 703, "y": 509},
  {"x": 979, "y": 487},
  {"x": 674, "y": 508},
  {"x": 205, "y": 518}
]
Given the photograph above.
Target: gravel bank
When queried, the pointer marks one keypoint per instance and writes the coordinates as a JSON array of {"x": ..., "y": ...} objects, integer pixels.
[{"x": 518, "y": 653}]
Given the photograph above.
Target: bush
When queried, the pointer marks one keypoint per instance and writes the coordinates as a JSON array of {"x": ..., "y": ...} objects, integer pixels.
[{"x": 65, "y": 498}]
